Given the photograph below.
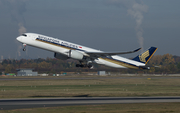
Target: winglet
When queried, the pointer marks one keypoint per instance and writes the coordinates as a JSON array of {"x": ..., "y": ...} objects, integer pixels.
[
  {"x": 146, "y": 56},
  {"x": 137, "y": 49}
]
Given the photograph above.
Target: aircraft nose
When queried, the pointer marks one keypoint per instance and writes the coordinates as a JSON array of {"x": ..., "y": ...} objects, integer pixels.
[{"x": 19, "y": 38}]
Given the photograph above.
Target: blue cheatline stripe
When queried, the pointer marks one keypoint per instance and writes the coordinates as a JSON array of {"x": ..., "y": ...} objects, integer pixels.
[{"x": 122, "y": 63}]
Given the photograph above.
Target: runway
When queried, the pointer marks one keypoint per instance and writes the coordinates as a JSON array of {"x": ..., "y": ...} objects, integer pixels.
[
  {"x": 9, "y": 104},
  {"x": 89, "y": 78}
]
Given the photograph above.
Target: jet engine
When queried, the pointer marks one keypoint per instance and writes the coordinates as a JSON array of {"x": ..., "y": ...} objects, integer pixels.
[
  {"x": 75, "y": 55},
  {"x": 60, "y": 56}
]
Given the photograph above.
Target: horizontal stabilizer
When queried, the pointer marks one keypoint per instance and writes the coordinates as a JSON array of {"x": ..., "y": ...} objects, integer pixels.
[{"x": 144, "y": 67}]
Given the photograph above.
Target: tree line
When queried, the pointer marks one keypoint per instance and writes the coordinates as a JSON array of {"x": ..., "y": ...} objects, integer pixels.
[{"x": 163, "y": 64}]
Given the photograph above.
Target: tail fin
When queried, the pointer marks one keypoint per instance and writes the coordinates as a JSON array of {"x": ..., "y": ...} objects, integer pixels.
[{"x": 146, "y": 56}]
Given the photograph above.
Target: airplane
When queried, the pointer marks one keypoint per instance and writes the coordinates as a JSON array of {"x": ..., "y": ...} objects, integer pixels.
[{"x": 86, "y": 56}]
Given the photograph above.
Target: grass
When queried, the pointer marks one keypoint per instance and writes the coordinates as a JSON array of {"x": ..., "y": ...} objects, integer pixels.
[
  {"x": 108, "y": 108},
  {"x": 92, "y": 88}
]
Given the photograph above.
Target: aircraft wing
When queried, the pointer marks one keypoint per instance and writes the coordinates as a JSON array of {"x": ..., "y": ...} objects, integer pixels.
[{"x": 103, "y": 54}]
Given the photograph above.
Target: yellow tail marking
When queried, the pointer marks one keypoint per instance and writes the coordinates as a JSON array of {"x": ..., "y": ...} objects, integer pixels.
[{"x": 144, "y": 56}]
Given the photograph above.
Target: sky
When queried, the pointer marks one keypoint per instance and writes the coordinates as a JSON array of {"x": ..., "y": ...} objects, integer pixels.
[{"x": 107, "y": 25}]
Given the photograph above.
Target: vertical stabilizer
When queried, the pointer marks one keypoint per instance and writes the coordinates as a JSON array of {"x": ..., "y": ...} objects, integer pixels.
[{"x": 146, "y": 56}]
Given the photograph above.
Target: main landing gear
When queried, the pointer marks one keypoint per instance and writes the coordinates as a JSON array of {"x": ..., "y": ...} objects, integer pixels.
[
  {"x": 85, "y": 66},
  {"x": 24, "y": 47}
]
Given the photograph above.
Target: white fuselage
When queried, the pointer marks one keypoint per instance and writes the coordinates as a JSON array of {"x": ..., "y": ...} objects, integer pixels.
[{"x": 62, "y": 47}]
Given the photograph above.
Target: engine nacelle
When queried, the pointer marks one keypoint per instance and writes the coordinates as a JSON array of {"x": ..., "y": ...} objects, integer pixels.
[
  {"x": 60, "y": 56},
  {"x": 75, "y": 55}
]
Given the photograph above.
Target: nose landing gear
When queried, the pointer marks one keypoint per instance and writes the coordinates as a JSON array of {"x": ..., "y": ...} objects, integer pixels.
[{"x": 24, "y": 47}]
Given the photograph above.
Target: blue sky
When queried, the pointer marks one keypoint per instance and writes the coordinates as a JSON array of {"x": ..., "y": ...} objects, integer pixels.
[{"x": 101, "y": 24}]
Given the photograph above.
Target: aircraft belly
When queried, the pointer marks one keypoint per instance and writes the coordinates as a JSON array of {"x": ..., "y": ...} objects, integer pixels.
[
  {"x": 129, "y": 61},
  {"x": 110, "y": 64},
  {"x": 117, "y": 63}
]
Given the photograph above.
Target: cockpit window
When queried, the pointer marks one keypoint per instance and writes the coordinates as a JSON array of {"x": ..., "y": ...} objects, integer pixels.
[{"x": 24, "y": 35}]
